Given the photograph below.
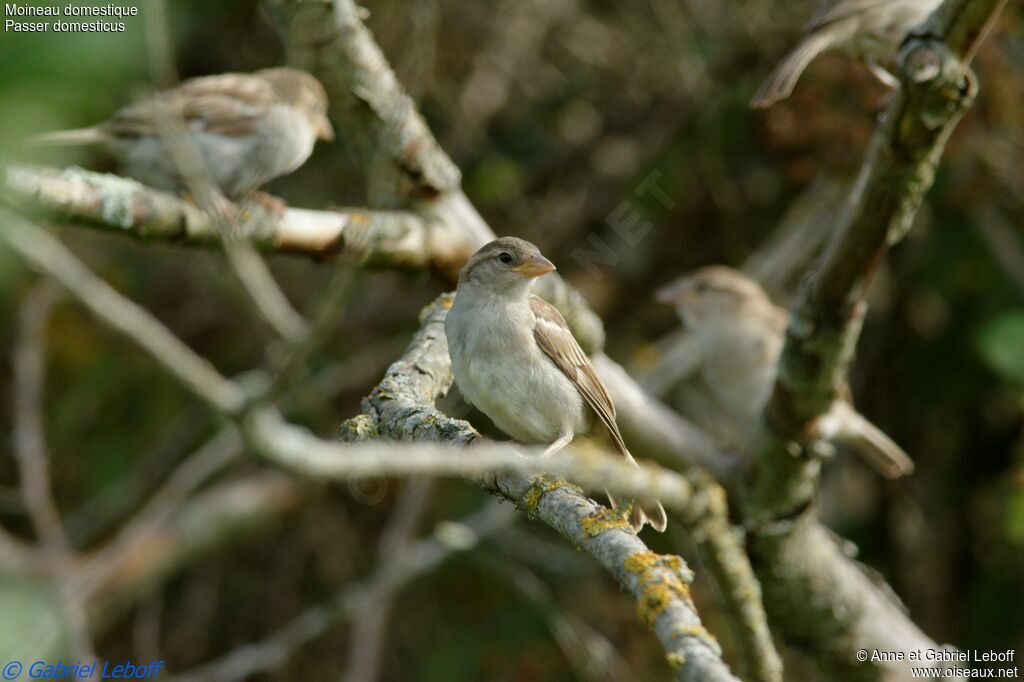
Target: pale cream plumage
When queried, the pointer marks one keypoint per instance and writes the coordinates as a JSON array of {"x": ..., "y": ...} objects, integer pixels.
[
  {"x": 515, "y": 359},
  {"x": 871, "y": 29},
  {"x": 740, "y": 335},
  {"x": 249, "y": 129}
]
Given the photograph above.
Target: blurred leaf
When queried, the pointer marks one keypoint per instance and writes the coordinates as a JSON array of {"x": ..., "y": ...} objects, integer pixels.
[{"x": 1001, "y": 345}]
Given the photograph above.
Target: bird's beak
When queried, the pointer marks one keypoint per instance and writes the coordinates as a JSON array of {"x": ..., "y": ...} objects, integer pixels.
[
  {"x": 535, "y": 267},
  {"x": 324, "y": 131},
  {"x": 673, "y": 294}
]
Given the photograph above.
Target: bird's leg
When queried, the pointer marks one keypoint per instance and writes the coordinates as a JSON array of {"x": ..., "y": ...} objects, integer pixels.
[
  {"x": 562, "y": 441},
  {"x": 884, "y": 77}
]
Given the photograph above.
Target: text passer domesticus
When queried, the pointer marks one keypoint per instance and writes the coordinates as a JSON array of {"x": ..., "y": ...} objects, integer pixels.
[
  {"x": 515, "y": 359},
  {"x": 871, "y": 29},
  {"x": 739, "y": 335},
  {"x": 249, "y": 128}
]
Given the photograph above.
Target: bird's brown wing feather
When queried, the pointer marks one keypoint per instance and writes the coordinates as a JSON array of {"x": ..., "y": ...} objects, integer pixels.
[
  {"x": 556, "y": 340},
  {"x": 228, "y": 104}
]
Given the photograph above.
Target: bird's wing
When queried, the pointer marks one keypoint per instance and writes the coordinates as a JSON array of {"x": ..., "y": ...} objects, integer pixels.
[
  {"x": 834, "y": 10},
  {"x": 228, "y": 104},
  {"x": 556, "y": 340}
]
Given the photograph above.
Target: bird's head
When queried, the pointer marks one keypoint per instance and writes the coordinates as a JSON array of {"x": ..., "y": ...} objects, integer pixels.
[
  {"x": 505, "y": 266},
  {"x": 712, "y": 293},
  {"x": 304, "y": 92}
]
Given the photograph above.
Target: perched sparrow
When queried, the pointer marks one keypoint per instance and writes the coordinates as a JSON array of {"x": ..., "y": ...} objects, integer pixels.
[
  {"x": 872, "y": 29},
  {"x": 739, "y": 335},
  {"x": 250, "y": 129},
  {"x": 515, "y": 359}
]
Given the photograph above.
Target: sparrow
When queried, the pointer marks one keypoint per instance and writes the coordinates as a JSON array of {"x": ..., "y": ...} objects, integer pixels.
[
  {"x": 739, "y": 336},
  {"x": 249, "y": 127},
  {"x": 515, "y": 359},
  {"x": 871, "y": 29}
]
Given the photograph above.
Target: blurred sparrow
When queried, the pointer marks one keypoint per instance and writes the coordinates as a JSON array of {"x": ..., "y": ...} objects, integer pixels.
[
  {"x": 739, "y": 335},
  {"x": 871, "y": 29},
  {"x": 249, "y": 128},
  {"x": 515, "y": 359}
]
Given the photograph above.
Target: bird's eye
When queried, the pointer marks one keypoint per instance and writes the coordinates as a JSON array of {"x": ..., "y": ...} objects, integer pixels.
[
  {"x": 505, "y": 257},
  {"x": 703, "y": 287}
]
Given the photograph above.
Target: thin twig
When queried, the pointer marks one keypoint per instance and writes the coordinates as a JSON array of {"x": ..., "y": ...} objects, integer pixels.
[
  {"x": 45, "y": 252},
  {"x": 425, "y": 555},
  {"x": 811, "y": 591},
  {"x": 246, "y": 263},
  {"x": 371, "y": 617},
  {"x": 29, "y": 432}
]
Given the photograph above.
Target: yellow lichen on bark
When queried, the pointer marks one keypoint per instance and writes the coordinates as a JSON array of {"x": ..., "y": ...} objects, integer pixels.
[
  {"x": 604, "y": 520},
  {"x": 642, "y": 561},
  {"x": 541, "y": 484},
  {"x": 700, "y": 632},
  {"x": 655, "y": 597},
  {"x": 675, "y": 660}
]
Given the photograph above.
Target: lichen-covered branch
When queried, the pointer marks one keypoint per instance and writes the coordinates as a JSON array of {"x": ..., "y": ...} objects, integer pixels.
[
  {"x": 723, "y": 552},
  {"x": 651, "y": 428},
  {"x": 815, "y": 596},
  {"x": 328, "y": 38},
  {"x": 293, "y": 447},
  {"x": 402, "y": 408},
  {"x": 899, "y": 169},
  {"x": 394, "y": 239}
]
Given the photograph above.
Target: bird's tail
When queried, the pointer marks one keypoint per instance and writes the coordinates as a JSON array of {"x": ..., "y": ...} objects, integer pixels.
[
  {"x": 780, "y": 83},
  {"x": 64, "y": 138},
  {"x": 653, "y": 515},
  {"x": 868, "y": 441}
]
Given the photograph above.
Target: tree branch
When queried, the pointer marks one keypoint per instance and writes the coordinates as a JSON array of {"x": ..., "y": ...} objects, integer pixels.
[
  {"x": 394, "y": 239},
  {"x": 44, "y": 251},
  {"x": 815, "y": 596},
  {"x": 402, "y": 408},
  {"x": 293, "y": 447},
  {"x": 328, "y": 39}
]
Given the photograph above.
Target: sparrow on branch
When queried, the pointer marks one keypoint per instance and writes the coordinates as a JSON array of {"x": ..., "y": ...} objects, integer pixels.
[
  {"x": 248, "y": 127},
  {"x": 739, "y": 336},
  {"x": 515, "y": 359},
  {"x": 870, "y": 29}
]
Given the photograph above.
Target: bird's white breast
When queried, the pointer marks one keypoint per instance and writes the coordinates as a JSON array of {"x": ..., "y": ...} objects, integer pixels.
[{"x": 500, "y": 369}]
